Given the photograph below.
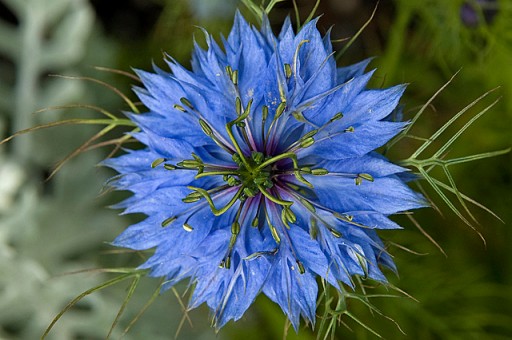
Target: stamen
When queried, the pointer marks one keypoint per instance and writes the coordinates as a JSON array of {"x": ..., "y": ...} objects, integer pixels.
[
  {"x": 273, "y": 229},
  {"x": 319, "y": 172},
  {"x": 287, "y": 70},
  {"x": 234, "y": 77},
  {"x": 360, "y": 177},
  {"x": 179, "y": 108},
  {"x": 298, "y": 144},
  {"x": 210, "y": 133},
  {"x": 306, "y": 143},
  {"x": 157, "y": 162},
  {"x": 313, "y": 228},
  {"x": 238, "y": 106},
  {"x": 301, "y": 267},
  {"x": 288, "y": 216},
  {"x": 235, "y": 230},
  {"x": 187, "y": 103},
  {"x": 187, "y": 227},
  {"x": 168, "y": 221}
]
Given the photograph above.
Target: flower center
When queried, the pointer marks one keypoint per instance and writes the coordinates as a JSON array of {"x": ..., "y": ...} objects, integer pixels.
[{"x": 251, "y": 175}]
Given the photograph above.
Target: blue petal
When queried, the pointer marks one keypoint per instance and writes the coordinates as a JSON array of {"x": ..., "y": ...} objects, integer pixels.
[
  {"x": 372, "y": 163},
  {"x": 386, "y": 195},
  {"x": 343, "y": 145},
  {"x": 296, "y": 293}
]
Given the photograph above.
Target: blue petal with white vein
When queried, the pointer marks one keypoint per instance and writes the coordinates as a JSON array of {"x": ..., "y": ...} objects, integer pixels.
[{"x": 259, "y": 172}]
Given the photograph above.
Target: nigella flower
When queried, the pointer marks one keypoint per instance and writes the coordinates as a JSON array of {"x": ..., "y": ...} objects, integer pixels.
[{"x": 259, "y": 173}]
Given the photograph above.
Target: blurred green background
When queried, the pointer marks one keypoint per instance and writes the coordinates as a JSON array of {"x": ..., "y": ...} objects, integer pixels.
[{"x": 51, "y": 228}]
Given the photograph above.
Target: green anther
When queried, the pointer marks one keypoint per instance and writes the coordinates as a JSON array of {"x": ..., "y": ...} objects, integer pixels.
[
  {"x": 254, "y": 255},
  {"x": 264, "y": 111},
  {"x": 365, "y": 176},
  {"x": 311, "y": 133},
  {"x": 248, "y": 107},
  {"x": 227, "y": 264},
  {"x": 186, "y": 102},
  {"x": 301, "y": 267},
  {"x": 358, "y": 180},
  {"x": 255, "y": 222},
  {"x": 287, "y": 70},
  {"x": 350, "y": 129},
  {"x": 289, "y": 215},
  {"x": 225, "y": 178},
  {"x": 299, "y": 116},
  {"x": 190, "y": 164},
  {"x": 206, "y": 128},
  {"x": 169, "y": 166},
  {"x": 306, "y": 143},
  {"x": 284, "y": 219},
  {"x": 337, "y": 116},
  {"x": 179, "y": 108},
  {"x": 168, "y": 221},
  {"x": 346, "y": 218},
  {"x": 234, "y": 77},
  {"x": 319, "y": 172},
  {"x": 229, "y": 70},
  {"x": 249, "y": 192},
  {"x": 280, "y": 109},
  {"x": 221, "y": 264},
  {"x": 274, "y": 233},
  {"x": 293, "y": 186},
  {"x": 188, "y": 227},
  {"x": 307, "y": 205},
  {"x": 191, "y": 199},
  {"x": 157, "y": 162},
  {"x": 335, "y": 233},
  {"x": 306, "y": 170},
  {"x": 313, "y": 228},
  {"x": 235, "y": 228},
  {"x": 240, "y": 124},
  {"x": 257, "y": 157},
  {"x": 238, "y": 106}
]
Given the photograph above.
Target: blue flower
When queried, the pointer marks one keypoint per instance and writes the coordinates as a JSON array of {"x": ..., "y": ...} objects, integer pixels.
[{"x": 258, "y": 172}]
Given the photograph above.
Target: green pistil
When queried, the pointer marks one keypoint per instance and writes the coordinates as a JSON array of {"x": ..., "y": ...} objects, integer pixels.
[
  {"x": 293, "y": 157},
  {"x": 207, "y": 197}
]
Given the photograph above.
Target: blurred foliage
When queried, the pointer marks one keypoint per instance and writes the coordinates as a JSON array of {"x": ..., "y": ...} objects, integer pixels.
[{"x": 50, "y": 228}]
